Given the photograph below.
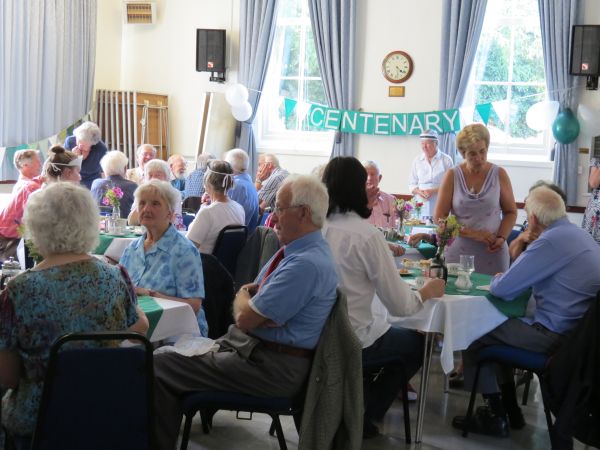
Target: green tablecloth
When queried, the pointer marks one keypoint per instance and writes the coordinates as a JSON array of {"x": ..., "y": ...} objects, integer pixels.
[
  {"x": 152, "y": 310},
  {"x": 425, "y": 249},
  {"x": 106, "y": 239}
]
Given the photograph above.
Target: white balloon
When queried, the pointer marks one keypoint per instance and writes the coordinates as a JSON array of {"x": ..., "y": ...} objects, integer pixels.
[
  {"x": 589, "y": 120},
  {"x": 541, "y": 115},
  {"x": 236, "y": 94},
  {"x": 243, "y": 112}
]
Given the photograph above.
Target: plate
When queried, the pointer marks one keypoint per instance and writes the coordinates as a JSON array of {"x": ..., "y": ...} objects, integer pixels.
[{"x": 405, "y": 273}]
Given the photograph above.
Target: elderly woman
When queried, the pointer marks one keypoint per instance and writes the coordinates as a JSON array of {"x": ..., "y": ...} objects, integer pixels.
[
  {"x": 480, "y": 195},
  {"x": 163, "y": 263},
  {"x": 62, "y": 165},
  {"x": 427, "y": 172},
  {"x": 86, "y": 143},
  {"x": 143, "y": 154},
  {"x": 69, "y": 291},
  {"x": 114, "y": 165},
  {"x": 157, "y": 169},
  {"x": 221, "y": 211}
]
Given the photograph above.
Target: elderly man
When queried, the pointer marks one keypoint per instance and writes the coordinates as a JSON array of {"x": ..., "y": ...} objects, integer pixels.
[
  {"x": 178, "y": 166},
  {"x": 268, "y": 179},
  {"x": 243, "y": 191},
  {"x": 114, "y": 165},
  {"x": 562, "y": 266},
  {"x": 143, "y": 154},
  {"x": 427, "y": 172},
  {"x": 86, "y": 143},
  {"x": 29, "y": 165},
  {"x": 194, "y": 183},
  {"x": 383, "y": 205},
  {"x": 278, "y": 318}
]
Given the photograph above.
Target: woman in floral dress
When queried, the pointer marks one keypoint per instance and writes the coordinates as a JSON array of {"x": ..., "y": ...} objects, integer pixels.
[{"x": 592, "y": 212}]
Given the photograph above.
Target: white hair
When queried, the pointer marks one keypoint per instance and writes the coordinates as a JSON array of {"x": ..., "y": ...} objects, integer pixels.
[
  {"x": 61, "y": 218},
  {"x": 271, "y": 158},
  {"x": 203, "y": 159},
  {"x": 157, "y": 164},
  {"x": 368, "y": 164},
  {"x": 141, "y": 148},
  {"x": 238, "y": 159},
  {"x": 24, "y": 156},
  {"x": 310, "y": 191},
  {"x": 114, "y": 163},
  {"x": 546, "y": 205},
  {"x": 88, "y": 132},
  {"x": 163, "y": 188}
]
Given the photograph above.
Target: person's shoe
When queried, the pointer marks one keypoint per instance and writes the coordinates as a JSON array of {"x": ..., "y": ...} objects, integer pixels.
[
  {"x": 411, "y": 393},
  {"x": 456, "y": 380},
  {"x": 370, "y": 430},
  {"x": 484, "y": 421},
  {"x": 516, "y": 419}
]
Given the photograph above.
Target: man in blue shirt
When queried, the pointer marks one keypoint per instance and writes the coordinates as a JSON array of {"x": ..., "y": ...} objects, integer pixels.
[
  {"x": 562, "y": 267},
  {"x": 278, "y": 318},
  {"x": 194, "y": 183},
  {"x": 243, "y": 191}
]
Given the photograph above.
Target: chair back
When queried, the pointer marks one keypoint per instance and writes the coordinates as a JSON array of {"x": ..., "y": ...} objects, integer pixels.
[
  {"x": 97, "y": 397},
  {"x": 259, "y": 248},
  {"x": 218, "y": 296},
  {"x": 230, "y": 241},
  {"x": 192, "y": 204}
]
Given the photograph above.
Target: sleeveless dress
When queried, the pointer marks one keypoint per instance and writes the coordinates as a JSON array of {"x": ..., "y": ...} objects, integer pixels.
[
  {"x": 479, "y": 211},
  {"x": 592, "y": 212}
]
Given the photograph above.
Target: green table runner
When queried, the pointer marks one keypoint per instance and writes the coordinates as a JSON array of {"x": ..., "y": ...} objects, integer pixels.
[
  {"x": 106, "y": 239},
  {"x": 425, "y": 249},
  {"x": 152, "y": 310}
]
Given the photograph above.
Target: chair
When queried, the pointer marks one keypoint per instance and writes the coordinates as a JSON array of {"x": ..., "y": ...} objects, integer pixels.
[
  {"x": 187, "y": 219},
  {"x": 97, "y": 397},
  {"x": 373, "y": 371},
  {"x": 230, "y": 241},
  {"x": 259, "y": 248},
  {"x": 192, "y": 204},
  {"x": 518, "y": 358},
  {"x": 516, "y": 231},
  {"x": 218, "y": 296}
]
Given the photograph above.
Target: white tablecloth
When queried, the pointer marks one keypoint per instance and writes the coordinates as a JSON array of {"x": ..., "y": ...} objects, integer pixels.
[
  {"x": 177, "y": 319},
  {"x": 462, "y": 319}
]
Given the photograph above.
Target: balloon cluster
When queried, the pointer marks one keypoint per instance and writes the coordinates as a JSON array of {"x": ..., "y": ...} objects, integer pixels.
[
  {"x": 237, "y": 96},
  {"x": 565, "y": 126}
]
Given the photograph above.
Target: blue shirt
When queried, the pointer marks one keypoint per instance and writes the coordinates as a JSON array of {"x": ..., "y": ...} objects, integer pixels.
[
  {"x": 299, "y": 294},
  {"x": 100, "y": 186},
  {"x": 244, "y": 192},
  {"x": 90, "y": 166},
  {"x": 563, "y": 267},
  {"x": 178, "y": 184},
  {"x": 172, "y": 266},
  {"x": 194, "y": 184}
]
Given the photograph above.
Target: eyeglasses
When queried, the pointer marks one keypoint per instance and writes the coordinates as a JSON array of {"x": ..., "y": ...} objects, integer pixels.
[{"x": 279, "y": 209}]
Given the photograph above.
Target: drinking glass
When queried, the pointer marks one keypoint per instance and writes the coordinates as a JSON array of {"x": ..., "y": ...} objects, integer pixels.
[{"x": 467, "y": 263}]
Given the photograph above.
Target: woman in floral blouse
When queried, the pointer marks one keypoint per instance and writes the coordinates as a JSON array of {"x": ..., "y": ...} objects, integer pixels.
[{"x": 592, "y": 212}]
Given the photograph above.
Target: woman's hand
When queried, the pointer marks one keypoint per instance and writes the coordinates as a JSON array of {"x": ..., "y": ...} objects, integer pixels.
[
  {"x": 416, "y": 239},
  {"x": 497, "y": 244},
  {"x": 397, "y": 250},
  {"x": 479, "y": 235},
  {"x": 145, "y": 291}
]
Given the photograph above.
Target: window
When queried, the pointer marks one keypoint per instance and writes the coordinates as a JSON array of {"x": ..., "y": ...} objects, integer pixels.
[
  {"x": 293, "y": 74},
  {"x": 509, "y": 69}
]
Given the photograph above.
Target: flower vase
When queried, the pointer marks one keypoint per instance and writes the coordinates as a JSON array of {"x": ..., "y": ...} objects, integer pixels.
[
  {"x": 113, "y": 220},
  {"x": 116, "y": 212},
  {"x": 400, "y": 228},
  {"x": 438, "y": 268}
]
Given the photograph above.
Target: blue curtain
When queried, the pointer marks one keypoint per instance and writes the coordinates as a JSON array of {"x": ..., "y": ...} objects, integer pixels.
[
  {"x": 333, "y": 23},
  {"x": 257, "y": 31},
  {"x": 556, "y": 19},
  {"x": 47, "y": 57},
  {"x": 462, "y": 21}
]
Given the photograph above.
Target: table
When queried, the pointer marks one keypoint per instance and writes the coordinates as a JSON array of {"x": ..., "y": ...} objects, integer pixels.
[
  {"x": 461, "y": 319},
  {"x": 168, "y": 318},
  {"x": 113, "y": 246}
]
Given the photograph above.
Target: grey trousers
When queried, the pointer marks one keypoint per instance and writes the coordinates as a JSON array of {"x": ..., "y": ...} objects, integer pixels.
[
  {"x": 513, "y": 332},
  {"x": 242, "y": 365}
]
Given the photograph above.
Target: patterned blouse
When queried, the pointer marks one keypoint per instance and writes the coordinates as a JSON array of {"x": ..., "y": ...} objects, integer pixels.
[{"x": 37, "y": 307}]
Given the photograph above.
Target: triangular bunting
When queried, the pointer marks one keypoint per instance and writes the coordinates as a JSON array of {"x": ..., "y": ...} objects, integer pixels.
[
  {"x": 484, "y": 111},
  {"x": 290, "y": 104}
]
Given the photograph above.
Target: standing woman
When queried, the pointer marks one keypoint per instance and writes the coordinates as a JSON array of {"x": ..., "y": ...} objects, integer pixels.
[
  {"x": 480, "y": 195},
  {"x": 86, "y": 143},
  {"x": 592, "y": 212}
]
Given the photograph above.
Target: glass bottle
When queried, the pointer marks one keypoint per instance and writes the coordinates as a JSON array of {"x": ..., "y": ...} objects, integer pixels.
[{"x": 438, "y": 268}]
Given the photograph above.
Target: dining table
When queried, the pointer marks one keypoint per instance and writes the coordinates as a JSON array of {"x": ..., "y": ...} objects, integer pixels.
[{"x": 168, "y": 318}]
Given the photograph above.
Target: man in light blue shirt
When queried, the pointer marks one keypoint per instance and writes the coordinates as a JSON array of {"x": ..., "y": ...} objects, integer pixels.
[
  {"x": 243, "y": 191},
  {"x": 278, "y": 318},
  {"x": 562, "y": 266}
]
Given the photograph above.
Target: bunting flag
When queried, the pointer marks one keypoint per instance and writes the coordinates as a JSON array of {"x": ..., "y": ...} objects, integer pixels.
[
  {"x": 484, "y": 111},
  {"x": 290, "y": 105}
]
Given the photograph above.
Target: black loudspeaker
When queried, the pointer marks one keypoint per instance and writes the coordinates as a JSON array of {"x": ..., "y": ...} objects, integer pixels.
[
  {"x": 585, "y": 50},
  {"x": 210, "y": 52}
]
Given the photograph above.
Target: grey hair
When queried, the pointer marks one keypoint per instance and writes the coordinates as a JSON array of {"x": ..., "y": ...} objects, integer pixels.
[
  {"x": 203, "y": 159},
  {"x": 546, "y": 205},
  {"x": 372, "y": 165},
  {"x": 163, "y": 188},
  {"x": 24, "y": 156},
  {"x": 271, "y": 158},
  {"x": 310, "y": 191},
  {"x": 88, "y": 132},
  {"x": 61, "y": 218},
  {"x": 550, "y": 185},
  {"x": 238, "y": 159},
  {"x": 318, "y": 171},
  {"x": 157, "y": 164},
  {"x": 141, "y": 148},
  {"x": 114, "y": 163}
]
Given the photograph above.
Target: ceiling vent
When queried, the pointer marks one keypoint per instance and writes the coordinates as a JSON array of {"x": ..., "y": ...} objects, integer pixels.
[{"x": 139, "y": 12}]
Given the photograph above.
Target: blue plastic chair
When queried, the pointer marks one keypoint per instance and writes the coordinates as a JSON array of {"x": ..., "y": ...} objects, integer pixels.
[{"x": 229, "y": 243}]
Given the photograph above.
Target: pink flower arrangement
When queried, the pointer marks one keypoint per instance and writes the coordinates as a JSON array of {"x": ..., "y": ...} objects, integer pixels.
[
  {"x": 112, "y": 197},
  {"x": 404, "y": 208}
]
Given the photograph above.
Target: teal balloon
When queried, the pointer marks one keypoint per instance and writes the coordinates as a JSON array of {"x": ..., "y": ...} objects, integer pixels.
[{"x": 565, "y": 127}]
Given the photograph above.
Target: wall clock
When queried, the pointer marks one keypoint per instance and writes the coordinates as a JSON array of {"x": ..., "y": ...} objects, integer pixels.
[{"x": 397, "y": 66}]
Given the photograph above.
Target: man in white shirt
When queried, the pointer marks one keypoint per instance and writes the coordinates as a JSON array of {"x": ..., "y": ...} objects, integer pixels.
[
  {"x": 427, "y": 172},
  {"x": 143, "y": 154},
  {"x": 368, "y": 276}
]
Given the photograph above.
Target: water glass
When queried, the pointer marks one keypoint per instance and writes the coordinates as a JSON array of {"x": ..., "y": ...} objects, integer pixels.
[{"x": 467, "y": 263}]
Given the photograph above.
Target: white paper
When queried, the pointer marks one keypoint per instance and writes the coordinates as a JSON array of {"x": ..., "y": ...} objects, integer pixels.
[{"x": 485, "y": 287}]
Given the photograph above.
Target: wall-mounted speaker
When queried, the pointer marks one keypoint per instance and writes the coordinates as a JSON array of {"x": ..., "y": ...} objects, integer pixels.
[
  {"x": 585, "y": 53},
  {"x": 210, "y": 53}
]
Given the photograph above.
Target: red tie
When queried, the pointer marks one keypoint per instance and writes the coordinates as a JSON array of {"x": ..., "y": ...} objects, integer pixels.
[{"x": 276, "y": 260}]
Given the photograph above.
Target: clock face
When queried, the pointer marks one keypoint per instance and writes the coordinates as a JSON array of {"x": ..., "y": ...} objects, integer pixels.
[{"x": 397, "y": 66}]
